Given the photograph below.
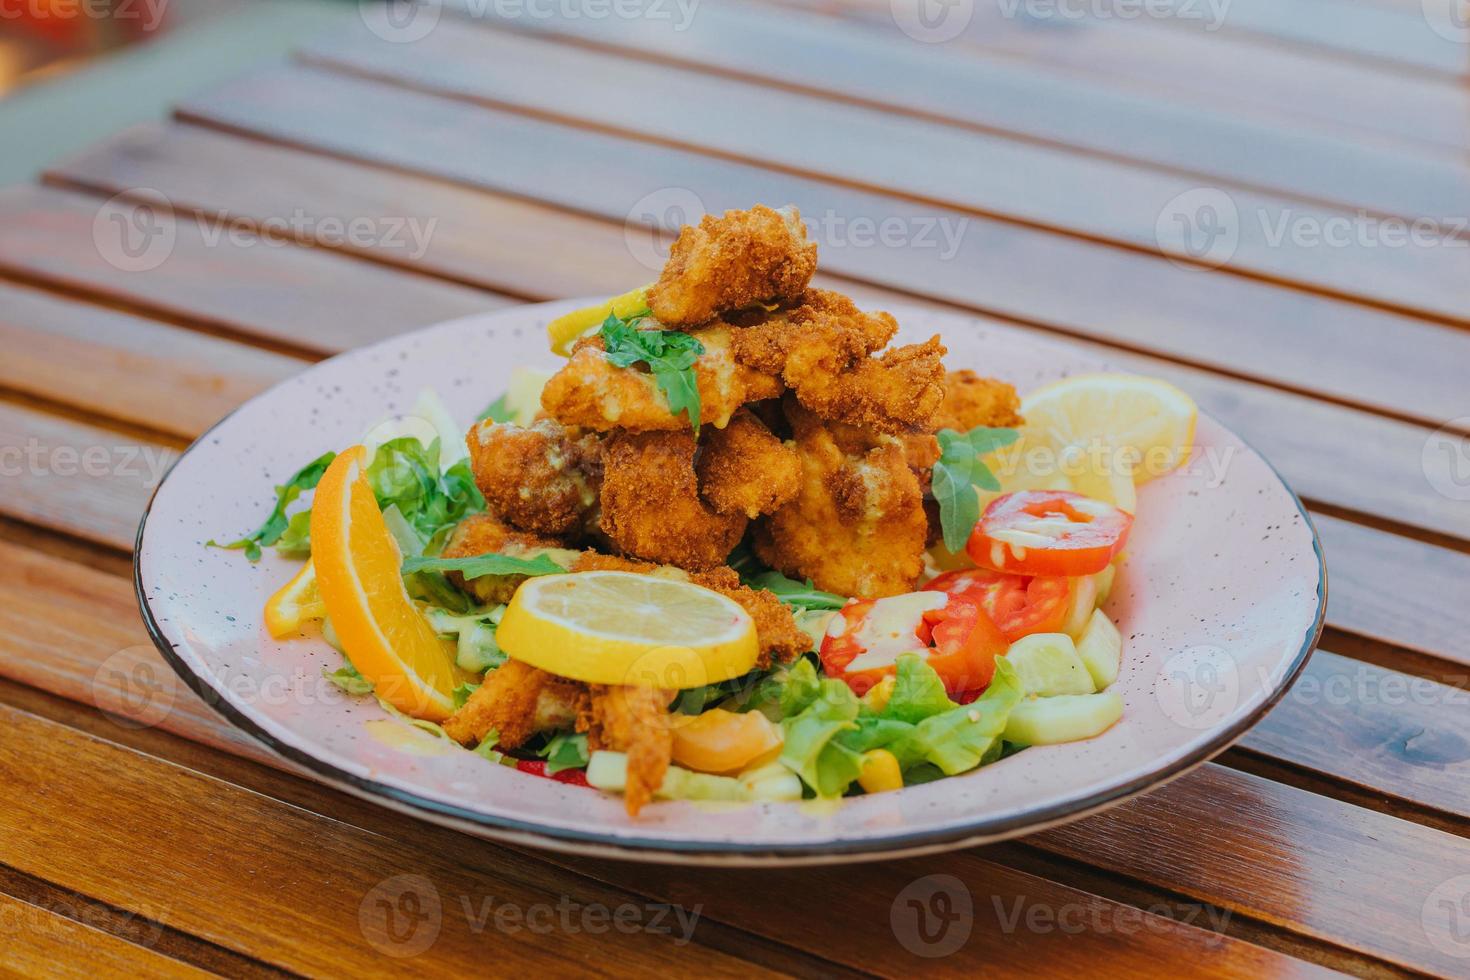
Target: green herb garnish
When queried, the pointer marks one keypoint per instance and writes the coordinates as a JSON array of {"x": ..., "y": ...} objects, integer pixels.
[
  {"x": 565, "y": 751},
  {"x": 275, "y": 525},
  {"x": 669, "y": 354},
  {"x": 476, "y": 566},
  {"x": 800, "y": 595},
  {"x": 960, "y": 469}
]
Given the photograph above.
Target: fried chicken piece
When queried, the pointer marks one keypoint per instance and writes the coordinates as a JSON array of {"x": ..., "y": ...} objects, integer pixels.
[
  {"x": 516, "y": 701},
  {"x": 541, "y": 478},
  {"x": 651, "y": 507},
  {"x": 971, "y": 401},
  {"x": 744, "y": 469},
  {"x": 858, "y": 526},
  {"x": 737, "y": 260},
  {"x": 594, "y": 393},
  {"x": 480, "y": 534},
  {"x": 823, "y": 351},
  {"x": 634, "y": 720}
]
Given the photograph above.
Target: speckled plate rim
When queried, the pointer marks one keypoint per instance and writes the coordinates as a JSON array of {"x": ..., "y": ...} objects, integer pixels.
[{"x": 981, "y": 830}]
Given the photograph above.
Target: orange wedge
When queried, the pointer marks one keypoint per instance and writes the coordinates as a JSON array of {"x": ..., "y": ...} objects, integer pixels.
[
  {"x": 294, "y": 604},
  {"x": 358, "y": 575}
]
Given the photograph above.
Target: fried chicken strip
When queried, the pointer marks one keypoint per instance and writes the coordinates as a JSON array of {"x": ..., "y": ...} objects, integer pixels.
[
  {"x": 775, "y": 628},
  {"x": 744, "y": 469},
  {"x": 971, "y": 401},
  {"x": 480, "y": 534},
  {"x": 858, "y": 526},
  {"x": 634, "y": 720},
  {"x": 596, "y": 394},
  {"x": 541, "y": 478},
  {"x": 516, "y": 701},
  {"x": 736, "y": 260},
  {"x": 651, "y": 507}
]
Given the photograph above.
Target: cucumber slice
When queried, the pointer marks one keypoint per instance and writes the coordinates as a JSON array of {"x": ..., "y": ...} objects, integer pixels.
[
  {"x": 608, "y": 771},
  {"x": 1104, "y": 580},
  {"x": 1079, "y": 609},
  {"x": 1101, "y": 649},
  {"x": 1071, "y": 718},
  {"x": 1048, "y": 665}
]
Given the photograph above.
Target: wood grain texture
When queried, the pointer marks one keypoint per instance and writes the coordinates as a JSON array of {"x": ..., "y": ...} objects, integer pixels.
[
  {"x": 308, "y": 299},
  {"x": 133, "y": 369},
  {"x": 849, "y": 60},
  {"x": 1281, "y": 855},
  {"x": 977, "y": 172},
  {"x": 41, "y": 942},
  {"x": 1307, "y": 342}
]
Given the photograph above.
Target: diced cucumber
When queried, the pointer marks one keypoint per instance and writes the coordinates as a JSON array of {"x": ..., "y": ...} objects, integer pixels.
[
  {"x": 1071, "y": 718},
  {"x": 1101, "y": 649},
  {"x": 1079, "y": 609},
  {"x": 523, "y": 393},
  {"x": 1104, "y": 580},
  {"x": 1048, "y": 665},
  {"x": 608, "y": 771}
]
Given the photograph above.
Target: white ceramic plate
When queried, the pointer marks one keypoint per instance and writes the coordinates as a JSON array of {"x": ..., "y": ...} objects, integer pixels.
[{"x": 1220, "y": 603}]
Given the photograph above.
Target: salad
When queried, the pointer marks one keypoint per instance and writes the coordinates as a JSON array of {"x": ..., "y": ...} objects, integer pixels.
[{"x": 737, "y": 547}]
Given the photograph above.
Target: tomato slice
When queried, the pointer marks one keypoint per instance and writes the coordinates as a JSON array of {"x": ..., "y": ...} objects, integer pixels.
[
  {"x": 537, "y": 767},
  {"x": 1019, "y": 604},
  {"x": 952, "y": 632},
  {"x": 1048, "y": 532}
]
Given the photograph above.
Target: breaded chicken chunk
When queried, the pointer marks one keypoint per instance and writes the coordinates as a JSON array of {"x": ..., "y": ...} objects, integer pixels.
[
  {"x": 541, "y": 478},
  {"x": 651, "y": 508},
  {"x": 737, "y": 260},
  {"x": 633, "y": 720},
  {"x": 594, "y": 393},
  {"x": 481, "y": 534},
  {"x": 517, "y": 701},
  {"x": 858, "y": 526},
  {"x": 823, "y": 350},
  {"x": 971, "y": 401},
  {"x": 776, "y": 630},
  {"x": 744, "y": 469}
]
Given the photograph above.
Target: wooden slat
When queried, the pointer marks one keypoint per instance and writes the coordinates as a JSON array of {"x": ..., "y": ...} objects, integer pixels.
[
  {"x": 1214, "y": 69},
  {"x": 324, "y": 879},
  {"x": 847, "y": 59},
  {"x": 1387, "y": 732},
  {"x": 305, "y": 298},
  {"x": 40, "y": 942},
  {"x": 137, "y": 370},
  {"x": 1301, "y": 340},
  {"x": 985, "y": 174},
  {"x": 1341, "y": 873},
  {"x": 77, "y": 478}
]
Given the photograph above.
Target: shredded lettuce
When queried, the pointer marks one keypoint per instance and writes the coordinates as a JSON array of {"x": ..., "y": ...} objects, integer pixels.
[
  {"x": 476, "y": 650},
  {"x": 348, "y": 679},
  {"x": 565, "y": 751}
]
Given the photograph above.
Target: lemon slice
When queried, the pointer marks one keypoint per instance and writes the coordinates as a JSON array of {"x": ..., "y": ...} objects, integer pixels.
[
  {"x": 622, "y": 628},
  {"x": 565, "y": 329},
  {"x": 294, "y": 604},
  {"x": 358, "y": 575},
  {"x": 1105, "y": 427}
]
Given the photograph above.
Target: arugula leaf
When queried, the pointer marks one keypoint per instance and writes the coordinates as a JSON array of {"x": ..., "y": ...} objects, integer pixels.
[
  {"x": 490, "y": 563},
  {"x": 275, "y": 525},
  {"x": 498, "y": 410},
  {"x": 565, "y": 751},
  {"x": 669, "y": 354},
  {"x": 960, "y": 469},
  {"x": 406, "y": 473},
  {"x": 801, "y": 595}
]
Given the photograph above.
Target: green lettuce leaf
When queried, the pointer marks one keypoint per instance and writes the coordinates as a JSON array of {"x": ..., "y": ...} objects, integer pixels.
[
  {"x": 565, "y": 751},
  {"x": 490, "y": 563},
  {"x": 276, "y": 524},
  {"x": 812, "y": 749}
]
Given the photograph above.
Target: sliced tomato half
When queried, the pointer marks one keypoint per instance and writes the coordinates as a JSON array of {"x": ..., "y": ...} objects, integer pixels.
[
  {"x": 1048, "y": 532},
  {"x": 953, "y": 633},
  {"x": 1019, "y": 604}
]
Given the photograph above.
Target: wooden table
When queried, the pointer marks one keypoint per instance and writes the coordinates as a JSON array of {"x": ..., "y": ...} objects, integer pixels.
[{"x": 1214, "y": 206}]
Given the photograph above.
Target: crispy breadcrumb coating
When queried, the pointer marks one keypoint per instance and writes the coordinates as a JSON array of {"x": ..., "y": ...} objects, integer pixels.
[
  {"x": 733, "y": 261},
  {"x": 480, "y": 534},
  {"x": 595, "y": 394},
  {"x": 858, "y": 526},
  {"x": 516, "y": 701},
  {"x": 971, "y": 401},
  {"x": 541, "y": 478},
  {"x": 744, "y": 469},
  {"x": 633, "y": 720},
  {"x": 651, "y": 507}
]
